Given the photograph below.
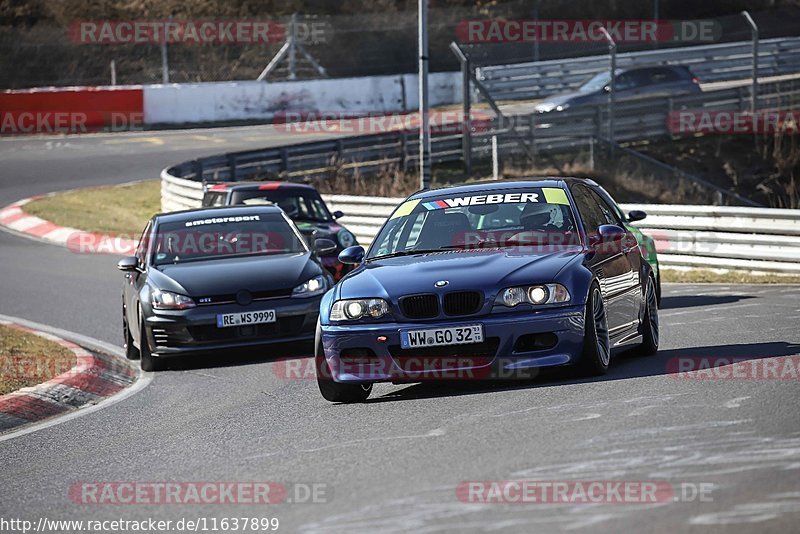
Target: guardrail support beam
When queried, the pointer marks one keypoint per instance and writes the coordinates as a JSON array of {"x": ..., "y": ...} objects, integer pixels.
[{"x": 754, "y": 90}]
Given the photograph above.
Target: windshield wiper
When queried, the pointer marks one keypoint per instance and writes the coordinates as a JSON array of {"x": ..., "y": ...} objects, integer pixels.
[{"x": 408, "y": 253}]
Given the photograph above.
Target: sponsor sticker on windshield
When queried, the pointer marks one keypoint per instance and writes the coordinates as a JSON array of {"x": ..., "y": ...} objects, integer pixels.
[{"x": 222, "y": 220}]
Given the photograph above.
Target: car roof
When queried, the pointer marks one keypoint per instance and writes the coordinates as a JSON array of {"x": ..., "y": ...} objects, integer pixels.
[
  {"x": 494, "y": 185},
  {"x": 221, "y": 211},
  {"x": 257, "y": 186}
]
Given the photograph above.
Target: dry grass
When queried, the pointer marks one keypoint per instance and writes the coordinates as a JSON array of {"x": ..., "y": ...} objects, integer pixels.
[
  {"x": 27, "y": 359},
  {"x": 113, "y": 209},
  {"x": 730, "y": 277}
]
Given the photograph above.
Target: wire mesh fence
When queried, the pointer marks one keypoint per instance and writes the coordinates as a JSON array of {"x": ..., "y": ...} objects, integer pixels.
[{"x": 374, "y": 39}]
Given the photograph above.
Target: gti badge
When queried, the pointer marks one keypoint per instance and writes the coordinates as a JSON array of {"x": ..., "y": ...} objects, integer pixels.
[{"x": 441, "y": 283}]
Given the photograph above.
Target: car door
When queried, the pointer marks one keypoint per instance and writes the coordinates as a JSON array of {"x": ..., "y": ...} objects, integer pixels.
[
  {"x": 134, "y": 280},
  {"x": 630, "y": 283},
  {"x": 604, "y": 261}
]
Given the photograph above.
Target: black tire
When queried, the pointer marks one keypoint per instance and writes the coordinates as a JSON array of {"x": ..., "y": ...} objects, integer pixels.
[
  {"x": 596, "y": 354},
  {"x": 334, "y": 391},
  {"x": 131, "y": 352},
  {"x": 649, "y": 327},
  {"x": 148, "y": 362}
]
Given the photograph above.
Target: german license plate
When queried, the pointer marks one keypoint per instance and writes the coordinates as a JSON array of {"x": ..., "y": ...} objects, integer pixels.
[
  {"x": 435, "y": 337},
  {"x": 225, "y": 320}
]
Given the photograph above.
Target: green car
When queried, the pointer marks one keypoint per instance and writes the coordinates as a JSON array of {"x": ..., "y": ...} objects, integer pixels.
[{"x": 646, "y": 243}]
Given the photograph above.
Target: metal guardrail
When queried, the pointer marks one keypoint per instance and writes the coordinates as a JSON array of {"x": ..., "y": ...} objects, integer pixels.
[
  {"x": 635, "y": 120},
  {"x": 711, "y": 63},
  {"x": 753, "y": 239},
  {"x": 717, "y": 237}
]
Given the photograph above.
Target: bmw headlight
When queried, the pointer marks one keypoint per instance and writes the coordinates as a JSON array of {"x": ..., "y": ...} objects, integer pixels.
[
  {"x": 536, "y": 295},
  {"x": 312, "y": 287},
  {"x": 346, "y": 239},
  {"x": 167, "y": 300},
  {"x": 355, "y": 309}
]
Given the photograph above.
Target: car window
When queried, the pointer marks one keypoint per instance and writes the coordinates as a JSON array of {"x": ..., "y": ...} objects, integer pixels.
[
  {"x": 590, "y": 212},
  {"x": 211, "y": 199},
  {"x": 141, "y": 248},
  {"x": 210, "y": 237},
  {"x": 609, "y": 213},
  {"x": 658, "y": 76},
  {"x": 539, "y": 216},
  {"x": 297, "y": 204},
  {"x": 627, "y": 80}
]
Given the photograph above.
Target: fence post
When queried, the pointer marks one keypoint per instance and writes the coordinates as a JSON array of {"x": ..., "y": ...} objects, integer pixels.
[
  {"x": 754, "y": 90},
  {"x": 495, "y": 159},
  {"x": 232, "y": 167},
  {"x": 612, "y": 52},
  {"x": 466, "y": 134},
  {"x": 164, "y": 55}
]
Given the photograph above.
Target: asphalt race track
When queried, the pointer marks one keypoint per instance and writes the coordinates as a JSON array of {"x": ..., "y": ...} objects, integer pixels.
[{"x": 394, "y": 463}]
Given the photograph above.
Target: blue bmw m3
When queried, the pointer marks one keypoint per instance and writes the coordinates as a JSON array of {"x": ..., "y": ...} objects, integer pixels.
[{"x": 487, "y": 280}]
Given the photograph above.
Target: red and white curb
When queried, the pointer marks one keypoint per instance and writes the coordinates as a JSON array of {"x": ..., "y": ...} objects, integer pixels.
[
  {"x": 94, "y": 377},
  {"x": 15, "y": 218}
]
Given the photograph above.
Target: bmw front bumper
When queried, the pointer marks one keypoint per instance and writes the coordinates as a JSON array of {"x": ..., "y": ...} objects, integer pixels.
[{"x": 514, "y": 344}]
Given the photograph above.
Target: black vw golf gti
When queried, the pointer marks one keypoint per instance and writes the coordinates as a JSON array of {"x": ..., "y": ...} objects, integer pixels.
[{"x": 220, "y": 278}]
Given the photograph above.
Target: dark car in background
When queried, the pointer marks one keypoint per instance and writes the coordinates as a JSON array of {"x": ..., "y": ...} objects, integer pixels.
[
  {"x": 302, "y": 203},
  {"x": 630, "y": 84},
  {"x": 222, "y": 278}
]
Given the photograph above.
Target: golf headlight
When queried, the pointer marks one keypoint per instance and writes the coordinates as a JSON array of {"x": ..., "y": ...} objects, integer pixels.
[
  {"x": 167, "y": 300},
  {"x": 346, "y": 239},
  {"x": 536, "y": 295},
  {"x": 355, "y": 309},
  {"x": 311, "y": 287}
]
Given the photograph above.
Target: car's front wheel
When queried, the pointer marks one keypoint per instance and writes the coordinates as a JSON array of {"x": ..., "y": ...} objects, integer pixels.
[
  {"x": 649, "y": 327},
  {"x": 148, "y": 362},
  {"x": 131, "y": 352},
  {"x": 596, "y": 354},
  {"x": 334, "y": 391}
]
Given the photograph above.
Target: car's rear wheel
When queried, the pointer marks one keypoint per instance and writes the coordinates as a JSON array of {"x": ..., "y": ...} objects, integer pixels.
[
  {"x": 131, "y": 352},
  {"x": 596, "y": 354},
  {"x": 148, "y": 362},
  {"x": 649, "y": 327},
  {"x": 334, "y": 391}
]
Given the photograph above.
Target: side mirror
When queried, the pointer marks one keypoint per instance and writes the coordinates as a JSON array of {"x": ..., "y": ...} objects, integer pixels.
[
  {"x": 610, "y": 233},
  {"x": 338, "y": 214},
  {"x": 636, "y": 215},
  {"x": 607, "y": 89},
  {"x": 324, "y": 246},
  {"x": 128, "y": 263},
  {"x": 352, "y": 255}
]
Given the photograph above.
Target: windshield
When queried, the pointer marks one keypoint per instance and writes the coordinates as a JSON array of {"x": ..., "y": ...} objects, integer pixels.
[
  {"x": 299, "y": 205},
  {"x": 595, "y": 83},
  {"x": 211, "y": 238},
  {"x": 498, "y": 219}
]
